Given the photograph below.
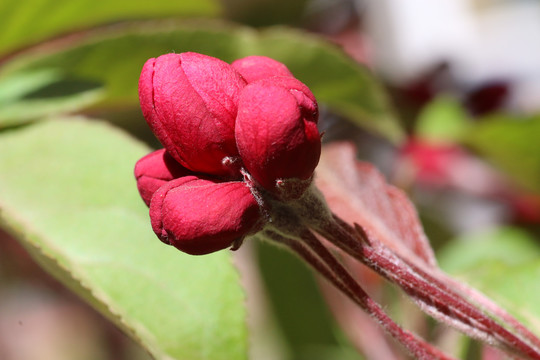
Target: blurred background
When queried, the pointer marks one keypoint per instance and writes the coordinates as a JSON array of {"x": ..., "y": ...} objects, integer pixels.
[{"x": 462, "y": 77}]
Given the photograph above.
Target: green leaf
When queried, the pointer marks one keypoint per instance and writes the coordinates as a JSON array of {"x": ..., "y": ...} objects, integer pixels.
[
  {"x": 512, "y": 145},
  {"x": 114, "y": 58},
  {"x": 67, "y": 192},
  {"x": 28, "y": 95},
  {"x": 505, "y": 265},
  {"x": 15, "y": 87},
  {"x": 442, "y": 120},
  {"x": 265, "y": 12},
  {"x": 30, "y": 21},
  {"x": 307, "y": 326}
]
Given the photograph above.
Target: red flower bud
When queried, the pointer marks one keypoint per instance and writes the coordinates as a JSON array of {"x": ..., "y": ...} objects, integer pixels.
[
  {"x": 253, "y": 68},
  {"x": 276, "y": 131},
  {"x": 200, "y": 216},
  {"x": 154, "y": 170},
  {"x": 190, "y": 102}
]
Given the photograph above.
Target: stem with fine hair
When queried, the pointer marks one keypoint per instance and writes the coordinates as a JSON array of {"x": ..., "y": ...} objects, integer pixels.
[
  {"x": 433, "y": 295},
  {"x": 311, "y": 250}
]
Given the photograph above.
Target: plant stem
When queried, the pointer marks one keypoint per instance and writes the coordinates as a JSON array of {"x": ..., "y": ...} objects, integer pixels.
[
  {"x": 492, "y": 307},
  {"x": 327, "y": 265},
  {"x": 432, "y": 294}
]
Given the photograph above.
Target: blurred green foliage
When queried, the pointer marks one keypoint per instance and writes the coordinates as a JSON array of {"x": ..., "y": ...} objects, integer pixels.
[{"x": 68, "y": 194}]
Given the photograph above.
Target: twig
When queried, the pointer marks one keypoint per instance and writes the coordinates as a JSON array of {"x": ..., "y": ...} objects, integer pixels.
[
  {"x": 432, "y": 294},
  {"x": 325, "y": 263}
]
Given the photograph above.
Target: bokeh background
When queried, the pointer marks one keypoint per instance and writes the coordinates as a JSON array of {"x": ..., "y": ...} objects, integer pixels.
[{"x": 462, "y": 77}]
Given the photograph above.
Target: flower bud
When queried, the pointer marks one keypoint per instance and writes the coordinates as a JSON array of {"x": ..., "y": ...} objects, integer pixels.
[
  {"x": 276, "y": 132},
  {"x": 253, "y": 68},
  {"x": 190, "y": 102},
  {"x": 154, "y": 170},
  {"x": 200, "y": 216}
]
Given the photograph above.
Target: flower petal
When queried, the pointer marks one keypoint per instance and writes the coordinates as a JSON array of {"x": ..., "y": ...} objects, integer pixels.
[
  {"x": 200, "y": 216},
  {"x": 154, "y": 170},
  {"x": 190, "y": 102},
  {"x": 253, "y": 68},
  {"x": 276, "y": 131}
]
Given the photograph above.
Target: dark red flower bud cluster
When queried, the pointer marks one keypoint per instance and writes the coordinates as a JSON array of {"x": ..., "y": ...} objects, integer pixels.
[{"x": 230, "y": 133}]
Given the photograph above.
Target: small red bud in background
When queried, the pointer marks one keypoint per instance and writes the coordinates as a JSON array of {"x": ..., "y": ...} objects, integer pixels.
[
  {"x": 190, "y": 102},
  {"x": 276, "y": 131},
  {"x": 200, "y": 216}
]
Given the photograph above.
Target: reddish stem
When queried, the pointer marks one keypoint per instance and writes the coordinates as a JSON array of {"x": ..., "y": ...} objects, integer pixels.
[
  {"x": 326, "y": 264},
  {"x": 438, "y": 298},
  {"x": 492, "y": 307}
]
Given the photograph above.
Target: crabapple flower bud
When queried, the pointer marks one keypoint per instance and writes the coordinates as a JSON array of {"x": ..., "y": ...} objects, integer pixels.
[
  {"x": 154, "y": 170},
  {"x": 200, "y": 216},
  {"x": 276, "y": 132},
  {"x": 190, "y": 102},
  {"x": 253, "y": 68}
]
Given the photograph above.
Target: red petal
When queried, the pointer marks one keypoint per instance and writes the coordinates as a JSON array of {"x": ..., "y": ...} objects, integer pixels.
[
  {"x": 200, "y": 216},
  {"x": 154, "y": 170},
  {"x": 253, "y": 68},
  {"x": 190, "y": 102},
  {"x": 276, "y": 130}
]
